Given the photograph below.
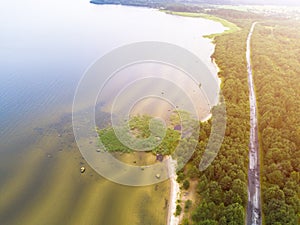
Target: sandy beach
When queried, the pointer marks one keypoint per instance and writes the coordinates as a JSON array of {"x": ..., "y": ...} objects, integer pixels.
[{"x": 174, "y": 193}]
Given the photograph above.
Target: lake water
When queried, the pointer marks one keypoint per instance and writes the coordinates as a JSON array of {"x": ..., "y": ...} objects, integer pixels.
[{"x": 45, "y": 48}]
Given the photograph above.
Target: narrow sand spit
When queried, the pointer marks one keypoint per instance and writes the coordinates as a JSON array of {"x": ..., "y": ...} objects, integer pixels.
[
  {"x": 175, "y": 192},
  {"x": 172, "y": 164}
]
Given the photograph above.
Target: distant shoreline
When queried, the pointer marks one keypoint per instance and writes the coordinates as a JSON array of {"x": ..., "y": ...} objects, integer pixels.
[
  {"x": 154, "y": 3},
  {"x": 128, "y": 3}
]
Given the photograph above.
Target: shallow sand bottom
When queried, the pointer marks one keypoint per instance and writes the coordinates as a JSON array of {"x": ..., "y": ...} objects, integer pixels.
[{"x": 45, "y": 186}]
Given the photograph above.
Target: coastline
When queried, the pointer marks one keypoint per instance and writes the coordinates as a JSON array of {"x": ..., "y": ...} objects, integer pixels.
[
  {"x": 174, "y": 192},
  {"x": 217, "y": 68},
  {"x": 231, "y": 27}
]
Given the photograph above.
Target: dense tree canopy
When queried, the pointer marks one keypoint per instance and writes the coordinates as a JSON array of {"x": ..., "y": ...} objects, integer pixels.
[
  {"x": 276, "y": 59},
  {"x": 276, "y": 74},
  {"x": 223, "y": 185}
]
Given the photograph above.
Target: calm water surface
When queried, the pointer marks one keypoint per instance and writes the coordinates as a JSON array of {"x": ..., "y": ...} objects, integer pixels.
[{"x": 45, "y": 47}]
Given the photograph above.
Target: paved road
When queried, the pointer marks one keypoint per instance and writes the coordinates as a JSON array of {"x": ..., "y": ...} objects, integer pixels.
[{"x": 254, "y": 197}]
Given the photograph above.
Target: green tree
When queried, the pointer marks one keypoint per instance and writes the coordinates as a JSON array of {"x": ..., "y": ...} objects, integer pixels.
[
  {"x": 178, "y": 210},
  {"x": 187, "y": 205},
  {"x": 186, "y": 184}
]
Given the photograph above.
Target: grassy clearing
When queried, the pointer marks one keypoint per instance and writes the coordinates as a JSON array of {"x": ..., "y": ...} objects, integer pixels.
[
  {"x": 231, "y": 27},
  {"x": 139, "y": 136}
]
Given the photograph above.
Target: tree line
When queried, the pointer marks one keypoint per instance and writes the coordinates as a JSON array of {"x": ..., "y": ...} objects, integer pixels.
[
  {"x": 222, "y": 187},
  {"x": 276, "y": 60}
]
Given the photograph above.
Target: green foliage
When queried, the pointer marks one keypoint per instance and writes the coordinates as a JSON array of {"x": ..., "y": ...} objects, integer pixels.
[
  {"x": 187, "y": 205},
  {"x": 180, "y": 177},
  {"x": 193, "y": 172},
  {"x": 205, "y": 211},
  {"x": 178, "y": 210},
  {"x": 208, "y": 222},
  {"x": 234, "y": 214},
  {"x": 222, "y": 186},
  {"x": 276, "y": 77},
  {"x": 186, "y": 184},
  {"x": 140, "y": 128},
  {"x": 276, "y": 74},
  {"x": 185, "y": 221},
  {"x": 111, "y": 142}
]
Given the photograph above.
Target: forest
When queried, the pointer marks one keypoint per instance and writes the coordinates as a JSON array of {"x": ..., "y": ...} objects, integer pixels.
[
  {"x": 276, "y": 60},
  {"x": 222, "y": 188}
]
